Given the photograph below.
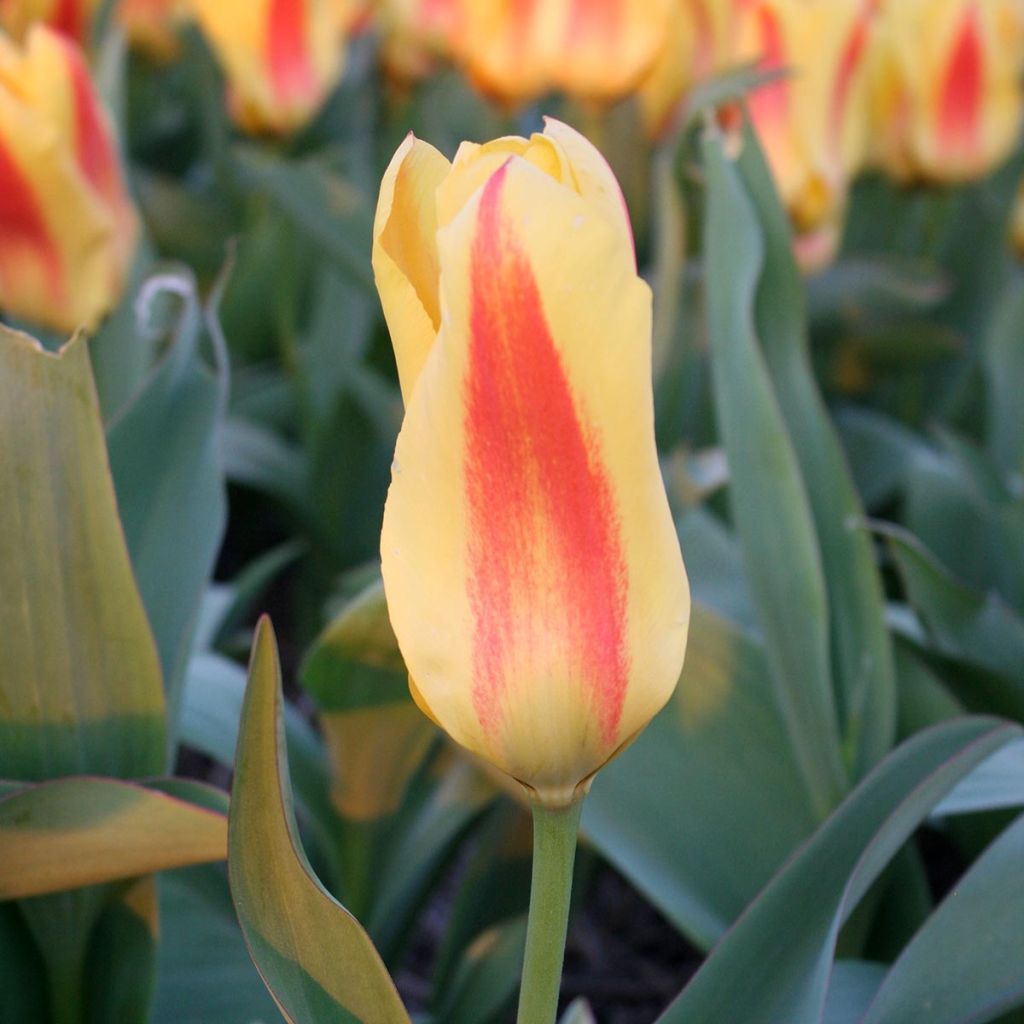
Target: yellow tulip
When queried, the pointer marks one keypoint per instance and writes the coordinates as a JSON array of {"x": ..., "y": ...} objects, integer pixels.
[
  {"x": 71, "y": 17},
  {"x": 813, "y": 122},
  {"x": 531, "y": 567},
  {"x": 699, "y": 42},
  {"x": 67, "y": 227},
  {"x": 596, "y": 50},
  {"x": 281, "y": 57},
  {"x": 947, "y": 93},
  {"x": 151, "y": 25},
  {"x": 415, "y": 34}
]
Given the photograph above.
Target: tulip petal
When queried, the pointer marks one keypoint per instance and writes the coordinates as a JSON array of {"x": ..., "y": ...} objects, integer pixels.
[
  {"x": 405, "y": 254},
  {"x": 531, "y": 565}
]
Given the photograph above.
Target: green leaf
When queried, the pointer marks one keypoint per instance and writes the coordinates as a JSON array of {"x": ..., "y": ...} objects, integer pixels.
[
  {"x": 329, "y": 210},
  {"x": 754, "y": 978},
  {"x": 74, "y": 832},
  {"x": 314, "y": 956},
  {"x": 376, "y": 736},
  {"x": 578, "y": 1012},
  {"x": 80, "y": 687},
  {"x": 487, "y": 980},
  {"x": 982, "y": 631},
  {"x": 22, "y": 969},
  {"x": 862, "y": 661},
  {"x": 768, "y": 498},
  {"x": 964, "y": 965},
  {"x": 673, "y": 812},
  {"x": 164, "y": 454},
  {"x": 1003, "y": 366},
  {"x": 121, "y": 959},
  {"x": 853, "y": 986},
  {"x": 996, "y": 784},
  {"x": 205, "y": 973}
]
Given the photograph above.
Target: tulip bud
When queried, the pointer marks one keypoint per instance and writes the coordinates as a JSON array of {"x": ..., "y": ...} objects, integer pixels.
[
  {"x": 596, "y": 50},
  {"x": 281, "y": 57},
  {"x": 813, "y": 121},
  {"x": 531, "y": 567},
  {"x": 946, "y": 102},
  {"x": 71, "y": 17},
  {"x": 67, "y": 224}
]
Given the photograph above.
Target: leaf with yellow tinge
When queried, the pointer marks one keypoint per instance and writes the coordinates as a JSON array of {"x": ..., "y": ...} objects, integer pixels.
[
  {"x": 80, "y": 686},
  {"x": 376, "y": 736},
  {"x": 315, "y": 957},
  {"x": 84, "y": 831}
]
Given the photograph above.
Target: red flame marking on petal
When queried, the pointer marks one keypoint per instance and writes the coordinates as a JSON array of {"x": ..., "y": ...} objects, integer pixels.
[
  {"x": 960, "y": 100},
  {"x": 94, "y": 147},
  {"x": 288, "y": 59},
  {"x": 849, "y": 64},
  {"x": 546, "y": 569},
  {"x": 24, "y": 233},
  {"x": 769, "y": 105},
  {"x": 67, "y": 18}
]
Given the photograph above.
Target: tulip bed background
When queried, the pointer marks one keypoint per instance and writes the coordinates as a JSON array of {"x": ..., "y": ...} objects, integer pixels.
[{"x": 823, "y": 195}]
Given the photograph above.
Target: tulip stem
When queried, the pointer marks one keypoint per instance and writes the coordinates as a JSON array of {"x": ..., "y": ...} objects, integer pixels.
[{"x": 554, "y": 850}]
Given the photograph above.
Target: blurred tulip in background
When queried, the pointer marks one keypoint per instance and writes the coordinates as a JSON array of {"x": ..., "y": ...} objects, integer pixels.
[
  {"x": 597, "y": 50},
  {"x": 68, "y": 226},
  {"x": 151, "y": 25},
  {"x": 531, "y": 567},
  {"x": 946, "y": 87},
  {"x": 72, "y": 17},
  {"x": 281, "y": 58},
  {"x": 416, "y": 34}
]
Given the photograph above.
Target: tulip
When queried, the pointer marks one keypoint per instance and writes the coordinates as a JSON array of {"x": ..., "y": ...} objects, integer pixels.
[
  {"x": 71, "y": 17},
  {"x": 812, "y": 122},
  {"x": 151, "y": 25},
  {"x": 596, "y": 50},
  {"x": 946, "y": 102},
  {"x": 416, "y": 33},
  {"x": 532, "y": 571},
  {"x": 699, "y": 42},
  {"x": 67, "y": 227},
  {"x": 281, "y": 57}
]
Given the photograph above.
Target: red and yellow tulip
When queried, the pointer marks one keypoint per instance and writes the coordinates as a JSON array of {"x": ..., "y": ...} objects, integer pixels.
[
  {"x": 416, "y": 33},
  {"x": 281, "y": 57},
  {"x": 813, "y": 121},
  {"x": 67, "y": 226},
  {"x": 699, "y": 42},
  {"x": 151, "y": 25},
  {"x": 532, "y": 571},
  {"x": 947, "y": 97},
  {"x": 596, "y": 50},
  {"x": 71, "y": 17}
]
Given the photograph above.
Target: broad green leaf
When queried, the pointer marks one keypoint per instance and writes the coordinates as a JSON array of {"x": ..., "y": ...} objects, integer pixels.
[
  {"x": 966, "y": 963},
  {"x": 80, "y": 686},
  {"x": 673, "y": 813},
  {"x": 210, "y": 715},
  {"x": 923, "y": 697},
  {"x": 768, "y": 499},
  {"x": 22, "y": 969},
  {"x": 258, "y": 458},
  {"x": 315, "y": 958},
  {"x": 376, "y": 736},
  {"x": 754, "y": 978},
  {"x": 982, "y": 631},
  {"x": 1003, "y": 365},
  {"x": 121, "y": 959},
  {"x": 880, "y": 450},
  {"x": 205, "y": 974},
  {"x": 328, "y": 209},
  {"x": 853, "y": 986},
  {"x": 487, "y": 979},
  {"x": 75, "y": 832},
  {"x": 862, "y": 665},
  {"x": 996, "y": 784},
  {"x": 164, "y": 454},
  {"x": 958, "y": 506}
]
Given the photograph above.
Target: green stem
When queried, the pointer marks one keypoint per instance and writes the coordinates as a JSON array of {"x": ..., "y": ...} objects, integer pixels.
[{"x": 554, "y": 849}]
